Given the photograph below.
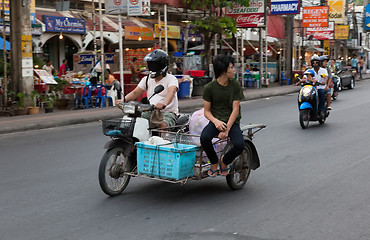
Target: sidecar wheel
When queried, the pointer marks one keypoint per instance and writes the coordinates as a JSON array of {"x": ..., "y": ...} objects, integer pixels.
[
  {"x": 112, "y": 177},
  {"x": 240, "y": 169},
  {"x": 304, "y": 118}
]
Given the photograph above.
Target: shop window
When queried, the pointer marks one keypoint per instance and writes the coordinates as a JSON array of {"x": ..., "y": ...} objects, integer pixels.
[{"x": 45, "y": 3}]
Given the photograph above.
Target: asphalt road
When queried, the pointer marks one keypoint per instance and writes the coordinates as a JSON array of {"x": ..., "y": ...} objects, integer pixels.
[{"x": 312, "y": 184}]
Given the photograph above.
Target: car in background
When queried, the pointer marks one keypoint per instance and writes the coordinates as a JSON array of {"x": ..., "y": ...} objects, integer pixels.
[{"x": 347, "y": 78}]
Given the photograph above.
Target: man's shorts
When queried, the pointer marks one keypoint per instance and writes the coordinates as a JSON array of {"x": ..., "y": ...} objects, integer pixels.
[
  {"x": 328, "y": 91},
  {"x": 168, "y": 117}
]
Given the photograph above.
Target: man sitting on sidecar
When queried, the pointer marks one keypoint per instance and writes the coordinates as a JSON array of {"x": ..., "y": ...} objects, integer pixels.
[{"x": 167, "y": 99}]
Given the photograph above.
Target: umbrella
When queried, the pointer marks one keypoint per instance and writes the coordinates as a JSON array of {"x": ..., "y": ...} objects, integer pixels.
[{"x": 7, "y": 44}]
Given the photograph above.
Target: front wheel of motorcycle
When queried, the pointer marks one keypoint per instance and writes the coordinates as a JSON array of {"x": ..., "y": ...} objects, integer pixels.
[
  {"x": 304, "y": 118},
  {"x": 240, "y": 168},
  {"x": 112, "y": 169}
]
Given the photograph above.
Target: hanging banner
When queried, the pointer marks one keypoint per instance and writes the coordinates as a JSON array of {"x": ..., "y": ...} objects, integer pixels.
[
  {"x": 367, "y": 17},
  {"x": 133, "y": 33},
  {"x": 315, "y": 16},
  {"x": 321, "y": 33},
  {"x": 26, "y": 46},
  {"x": 134, "y": 8},
  {"x": 341, "y": 32},
  {"x": 33, "y": 11},
  {"x": 336, "y": 11},
  {"x": 245, "y": 17},
  {"x": 6, "y": 6},
  {"x": 173, "y": 32},
  {"x": 116, "y": 6},
  {"x": 282, "y": 7}
]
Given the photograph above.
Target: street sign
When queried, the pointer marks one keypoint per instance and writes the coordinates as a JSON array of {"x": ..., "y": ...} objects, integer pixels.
[
  {"x": 282, "y": 7},
  {"x": 115, "y": 6},
  {"x": 245, "y": 17},
  {"x": 315, "y": 16},
  {"x": 367, "y": 17}
]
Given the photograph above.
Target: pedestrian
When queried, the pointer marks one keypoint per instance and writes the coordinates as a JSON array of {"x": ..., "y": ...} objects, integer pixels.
[
  {"x": 361, "y": 63},
  {"x": 222, "y": 108},
  {"x": 255, "y": 68},
  {"x": 354, "y": 62},
  {"x": 63, "y": 68},
  {"x": 48, "y": 67},
  {"x": 134, "y": 71}
]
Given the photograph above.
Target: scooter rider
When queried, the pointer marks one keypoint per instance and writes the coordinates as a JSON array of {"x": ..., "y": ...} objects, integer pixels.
[
  {"x": 334, "y": 70},
  {"x": 321, "y": 89},
  {"x": 167, "y": 99},
  {"x": 324, "y": 63}
]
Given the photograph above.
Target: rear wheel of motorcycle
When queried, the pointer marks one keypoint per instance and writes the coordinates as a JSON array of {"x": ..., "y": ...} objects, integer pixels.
[
  {"x": 240, "y": 168},
  {"x": 322, "y": 120},
  {"x": 112, "y": 177},
  {"x": 304, "y": 118}
]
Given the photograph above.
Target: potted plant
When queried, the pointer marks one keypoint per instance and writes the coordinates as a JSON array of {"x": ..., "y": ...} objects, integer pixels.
[
  {"x": 34, "y": 98},
  {"x": 49, "y": 101},
  {"x": 61, "y": 101},
  {"x": 21, "y": 110}
]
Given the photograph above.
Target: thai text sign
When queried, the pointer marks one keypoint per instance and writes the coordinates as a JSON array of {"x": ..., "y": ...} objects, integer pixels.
[
  {"x": 315, "y": 16},
  {"x": 64, "y": 24},
  {"x": 284, "y": 7},
  {"x": 322, "y": 33},
  {"x": 336, "y": 11},
  {"x": 341, "y": 32},
  {"x": 173, "y": 32},
  {"x": 133, "y": 33},
  {"x": 252, "y": 16}
]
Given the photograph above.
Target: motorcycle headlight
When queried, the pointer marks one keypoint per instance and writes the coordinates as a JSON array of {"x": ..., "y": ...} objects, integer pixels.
[
  {"x": 129, "y": 109},
  {"x": 306, "y": 91}
]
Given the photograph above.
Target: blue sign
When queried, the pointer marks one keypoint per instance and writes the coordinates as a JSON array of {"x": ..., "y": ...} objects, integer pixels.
[
  {"x": 367, "y": 17},
  {"x": 282, "y": 7},
  {"x": 64, "y": 24},
  {"x": 86, "y": 59}
]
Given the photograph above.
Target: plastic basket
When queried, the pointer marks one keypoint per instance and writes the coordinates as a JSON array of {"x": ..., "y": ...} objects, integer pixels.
[
  {"x": 166, "y": 162},
  {"x": 118, "y": 127},
  {"x": 197, "y": 73}
]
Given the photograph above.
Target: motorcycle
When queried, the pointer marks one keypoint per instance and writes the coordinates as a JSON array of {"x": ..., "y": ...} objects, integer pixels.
[
  {"x": 336, "y": 87},
  {"x": 128, "y": 156},
  {"x": 308, "y": 103}
]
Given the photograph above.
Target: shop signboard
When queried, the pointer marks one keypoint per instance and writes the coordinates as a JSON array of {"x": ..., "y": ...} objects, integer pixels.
[
  {"x": 327, "y": 47},
  {"x": 315, "y": 16},
  {"x": 341, "y": 32},
  {"x": 336, "y": 11},
  {"x": 192, "y": 37},
  {"x": 36, "y": 29},
  {"x": 245, "y": 17},
  {"x": 116, "y": 6},
  {"x": 64, "y": 24},
  {"x": 45, "y": 76},
  {"x": 173, "y": 32},
  {"x": 367, "y": 17},
  {"x": 33, "y": 11},
  {"x": 6, "y": 6},
  {"x": 282, "y": 7},
  {"x": 321, "y": 33},
  {"x": 110, "y": 58},
  {"x": 133, "y": 33},
  {"x": 134, "y": 8}
]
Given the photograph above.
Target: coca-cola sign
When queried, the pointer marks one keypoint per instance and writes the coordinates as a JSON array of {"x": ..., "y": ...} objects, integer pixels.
[
  {"x": 322, "y": 33},
  {"x": 252, "y": 16}
]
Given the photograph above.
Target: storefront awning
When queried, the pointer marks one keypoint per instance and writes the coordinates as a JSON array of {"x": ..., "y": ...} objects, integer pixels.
[
  {"x": 7, "y": 44},
  {"x": 315, "y": 49},
  {"x": 201, "y": 47}
]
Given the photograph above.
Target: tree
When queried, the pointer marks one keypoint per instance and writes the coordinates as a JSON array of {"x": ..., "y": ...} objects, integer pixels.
[{"x": 213, "y": 22}]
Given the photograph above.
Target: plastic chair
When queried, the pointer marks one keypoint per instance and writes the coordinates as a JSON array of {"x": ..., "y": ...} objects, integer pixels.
[
  {"x": 85, "y": 98},
  {"x": 283, "y": 78},
  {"x": 101, "y": 96}
]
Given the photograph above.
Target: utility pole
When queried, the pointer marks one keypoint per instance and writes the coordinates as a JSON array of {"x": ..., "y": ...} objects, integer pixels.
[
  {"x": 94, "y": 27},
  {"x": 102, "y": 62},
  {"x": 289, "y": 46},
  {"x": 21, "y": 47},
  {"x": 5, "y": 86}
]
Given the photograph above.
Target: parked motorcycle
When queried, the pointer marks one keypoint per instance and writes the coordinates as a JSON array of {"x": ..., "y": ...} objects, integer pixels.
[{"x": 308, "y": 103}]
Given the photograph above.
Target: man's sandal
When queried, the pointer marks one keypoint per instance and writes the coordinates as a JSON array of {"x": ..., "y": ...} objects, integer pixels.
[
  {"x": 212, "y": 174},
  {"x": 227, "y": 170}
]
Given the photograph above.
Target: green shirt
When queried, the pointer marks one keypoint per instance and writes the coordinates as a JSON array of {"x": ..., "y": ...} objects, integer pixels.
[{"x": 222, "y": 98}]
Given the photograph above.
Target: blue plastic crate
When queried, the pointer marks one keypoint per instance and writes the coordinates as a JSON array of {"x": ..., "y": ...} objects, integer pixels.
[{"x": 166, "y": 162}]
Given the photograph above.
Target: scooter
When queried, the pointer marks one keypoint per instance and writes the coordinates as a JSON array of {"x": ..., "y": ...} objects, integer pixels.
[
  {"x": 337, "y": 87},
  {"x": 308, "y": 104}
]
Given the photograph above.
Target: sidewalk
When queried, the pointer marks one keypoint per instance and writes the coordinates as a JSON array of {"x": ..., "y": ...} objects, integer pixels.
[{"x": 70, "y": 117}]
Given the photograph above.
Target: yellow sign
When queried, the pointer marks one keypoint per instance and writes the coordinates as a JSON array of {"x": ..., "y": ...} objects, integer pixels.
[
  {"x": 341, "y": 32},
  {"x": 327, "y": 47},
  {"x": 6, "y": 4},
  {"x": 26, "y": 46},
  {"x": 336, "y": 11},
  {"x": 173, "y": 32}
]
